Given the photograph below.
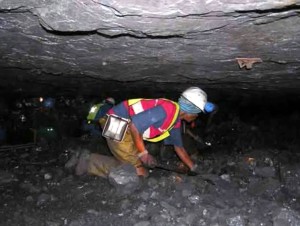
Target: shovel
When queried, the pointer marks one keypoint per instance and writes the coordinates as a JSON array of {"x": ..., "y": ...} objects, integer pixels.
[{"x": 176, "y": 169}]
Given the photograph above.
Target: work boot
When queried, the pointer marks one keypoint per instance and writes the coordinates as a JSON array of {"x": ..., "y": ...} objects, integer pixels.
[
  {"x": 73, "y": 160},
  {"x": 82, "y": 163}
]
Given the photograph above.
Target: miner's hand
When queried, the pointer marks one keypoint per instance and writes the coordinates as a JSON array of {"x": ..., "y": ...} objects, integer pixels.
[{"x": 147, "y": 159}]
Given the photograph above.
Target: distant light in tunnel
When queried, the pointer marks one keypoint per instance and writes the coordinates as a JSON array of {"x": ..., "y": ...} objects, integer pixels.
[
  {"x": 23, "y": 118},
  {"x": 50, "y": 129}
]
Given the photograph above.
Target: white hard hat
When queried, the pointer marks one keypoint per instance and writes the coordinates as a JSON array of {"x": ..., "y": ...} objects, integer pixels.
[{"x": 196, "y": 96}]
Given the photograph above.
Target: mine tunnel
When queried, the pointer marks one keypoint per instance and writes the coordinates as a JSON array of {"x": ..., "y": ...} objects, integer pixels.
[{"x": 231, "y": 68}]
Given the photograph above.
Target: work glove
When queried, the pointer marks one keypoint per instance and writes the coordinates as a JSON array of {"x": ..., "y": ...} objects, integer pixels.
[{"x": 147, "y": 159}]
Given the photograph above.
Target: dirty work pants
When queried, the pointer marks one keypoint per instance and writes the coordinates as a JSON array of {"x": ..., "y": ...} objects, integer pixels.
[
  {"x": 124, "y": 151},
  {"x": 96, "y": 164}
]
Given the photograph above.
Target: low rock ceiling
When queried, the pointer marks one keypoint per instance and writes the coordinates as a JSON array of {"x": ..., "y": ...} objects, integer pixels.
[{"x": 90, "y": 46}]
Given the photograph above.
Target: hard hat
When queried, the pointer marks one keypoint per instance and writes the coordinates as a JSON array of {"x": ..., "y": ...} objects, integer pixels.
[
  {"x": 110, "y": 100},
  {"x": 196, "y": 96},
  {"x": 49, "y": 102}
]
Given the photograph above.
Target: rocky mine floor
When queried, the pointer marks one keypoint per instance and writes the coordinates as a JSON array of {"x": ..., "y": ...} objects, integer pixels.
[{"x": 242, "y": 184}]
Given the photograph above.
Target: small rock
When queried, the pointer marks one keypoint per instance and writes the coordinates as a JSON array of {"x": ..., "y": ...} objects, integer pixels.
[
  {"x": 145, "y": 195},
  {"x": 124, "y": 179},
  {"x": 225, "y": 177},
  {"x": 43, "y": 199},
  {"x": 142, "y": 223},
  {"x": 286, "y": 217},
  {"x": 94, "y": 212},
  {"x": 171, "y": 209},
  {"x": 30, "y": 187},
  {"x": 6, "y": 177},
  {"x": 194, "y": 199},
  {"x": 265, "y": 171},
  {"x": 47, "y": 176},
  {"x": 152, "y": 182},
  {"x": 29, "y": 199},
  {"x": 51, "y": 223},
  {"x": 235, "y": 221}
]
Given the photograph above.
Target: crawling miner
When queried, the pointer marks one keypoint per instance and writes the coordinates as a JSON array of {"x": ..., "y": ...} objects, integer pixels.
[{"x": 127, "y": 125}]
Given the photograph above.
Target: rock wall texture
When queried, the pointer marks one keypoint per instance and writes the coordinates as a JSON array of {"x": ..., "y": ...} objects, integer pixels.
[{"x": 87, "y": 44}]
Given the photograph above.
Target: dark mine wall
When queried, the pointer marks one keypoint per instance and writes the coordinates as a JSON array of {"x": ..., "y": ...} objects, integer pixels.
[{"x": 271, "y": 114}]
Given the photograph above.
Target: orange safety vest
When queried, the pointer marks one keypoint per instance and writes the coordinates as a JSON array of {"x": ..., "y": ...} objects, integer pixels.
[{"x": 140, "y": 105}]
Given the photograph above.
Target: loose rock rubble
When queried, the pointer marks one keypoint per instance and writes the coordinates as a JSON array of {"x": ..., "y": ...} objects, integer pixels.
[{"x": 249, "y": 178}]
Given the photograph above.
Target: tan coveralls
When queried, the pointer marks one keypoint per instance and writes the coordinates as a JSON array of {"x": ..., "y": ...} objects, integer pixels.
[{"x": 124, "y": 152}]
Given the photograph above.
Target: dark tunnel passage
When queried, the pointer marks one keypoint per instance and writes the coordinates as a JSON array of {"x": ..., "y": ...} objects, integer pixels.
[{"x": 248, "y": 153}]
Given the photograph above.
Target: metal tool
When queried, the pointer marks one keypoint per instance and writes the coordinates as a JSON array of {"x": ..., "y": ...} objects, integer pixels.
[{"x": 176, "y": 169}]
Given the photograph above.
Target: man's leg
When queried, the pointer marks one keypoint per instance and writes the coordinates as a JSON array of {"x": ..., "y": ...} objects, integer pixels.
[
  {"x": 126, "y": 151},
  {"x": 100, "y": 165},
  {"x": 95, "y": 164}
]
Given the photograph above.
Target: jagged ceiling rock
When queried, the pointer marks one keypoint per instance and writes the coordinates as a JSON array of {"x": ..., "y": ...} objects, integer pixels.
[{"x": 92, "y": 44}]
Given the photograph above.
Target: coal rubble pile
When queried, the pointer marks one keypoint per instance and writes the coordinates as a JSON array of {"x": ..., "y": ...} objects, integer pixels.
[{"x": 250, "y": 177}]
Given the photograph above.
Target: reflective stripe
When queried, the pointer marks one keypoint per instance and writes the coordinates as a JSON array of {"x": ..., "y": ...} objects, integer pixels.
[
  {"x": 93, "y": 111},
  {"x": 133, "y": 101},
  {"x": 146, "y": 134},
  {"x": 160, "y": 137},
  {"x": 137, "y": 107},
  {"x": 161, "y": 130}
]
